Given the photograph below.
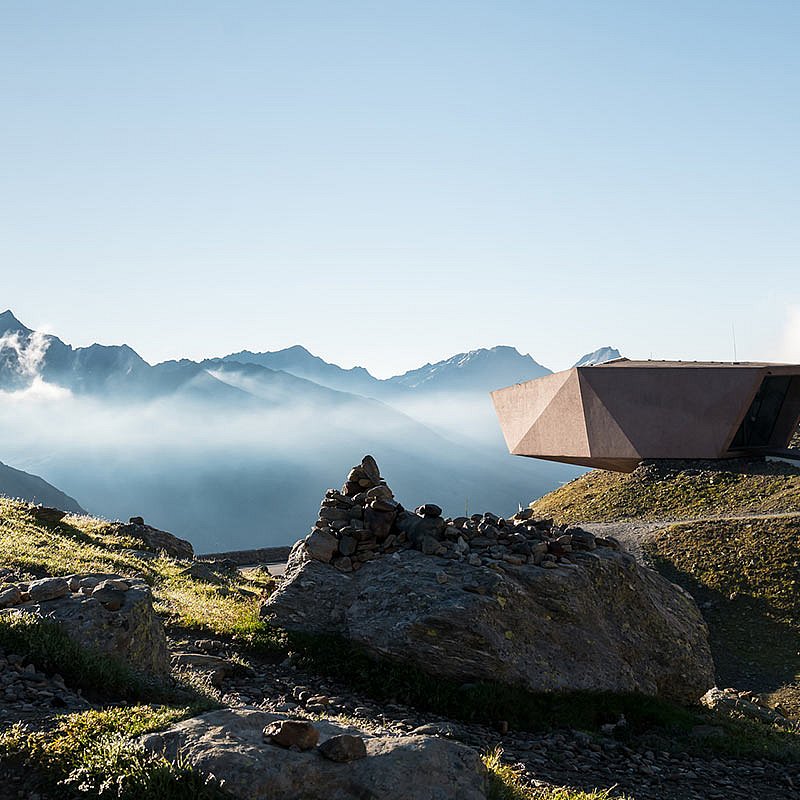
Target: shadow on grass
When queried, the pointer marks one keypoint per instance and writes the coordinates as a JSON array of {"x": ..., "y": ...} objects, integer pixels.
[
  {"x": 99, "y": 675},
  {"x": 751, "y": 647}
]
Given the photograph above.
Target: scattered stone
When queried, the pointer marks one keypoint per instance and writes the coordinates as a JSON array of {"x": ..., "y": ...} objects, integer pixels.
[
  {"x": 9, "y": 596},
  {"x": 50, "y": 516},
  {"x": 287, "y": 733},
  {"x": 152, "y": 539},
  {"x": 99, "y": 615},
  {"x": 228, "y": 745},
  {"x": 344, "y": 748},
  {"x": 47, "y": 589}
]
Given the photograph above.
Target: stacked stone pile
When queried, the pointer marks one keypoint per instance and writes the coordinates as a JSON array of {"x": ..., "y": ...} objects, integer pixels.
[
  {"x": 363, "y": 521},
  {"x": 517, "y": 601},
  {"x": 111, "y": 613}
]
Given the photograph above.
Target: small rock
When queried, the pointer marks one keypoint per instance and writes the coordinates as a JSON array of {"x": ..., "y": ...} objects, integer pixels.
[
  {"x": 50, "y": 516},
  {"x": 10, "y": 596},
  {"x": 321, "y": 546},
  {"x": 292, "y": 733},
  {"x": 343, "y": 748},
  {"x": 48, "y": 589},
  {"x": 429, "y": 510},
  {"x": 370, "y": 468},
  {"x": 112, "y": 599}
]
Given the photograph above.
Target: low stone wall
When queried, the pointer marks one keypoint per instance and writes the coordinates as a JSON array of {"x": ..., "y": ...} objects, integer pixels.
[{"x": 262, "y": 555}]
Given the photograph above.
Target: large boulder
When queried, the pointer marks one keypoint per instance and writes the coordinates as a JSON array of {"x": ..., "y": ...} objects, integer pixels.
[
  {"x": 108, "y": 613},
  {"x": 230, "y": 745},
  {"x": 512, "y": 601}
]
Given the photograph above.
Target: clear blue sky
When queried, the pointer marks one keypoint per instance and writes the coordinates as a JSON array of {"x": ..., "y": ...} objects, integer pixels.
[{"x": 392, "y": 182}]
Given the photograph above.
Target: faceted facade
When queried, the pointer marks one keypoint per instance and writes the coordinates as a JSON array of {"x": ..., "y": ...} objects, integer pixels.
[{"x": 614, "y": 415}]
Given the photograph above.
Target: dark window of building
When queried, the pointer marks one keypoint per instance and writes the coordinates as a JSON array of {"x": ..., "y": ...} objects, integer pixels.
[{"x": 759, "y": 422}]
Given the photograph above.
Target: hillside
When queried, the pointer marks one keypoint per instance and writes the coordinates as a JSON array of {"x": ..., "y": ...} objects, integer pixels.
[
  {"x": 743, "y": 575},
  {"x": 674, "y": 491},
  {"x": 729, "y": 534},
  {"x": 75, "y": 746},
  {"x": 24, "y": 486}
]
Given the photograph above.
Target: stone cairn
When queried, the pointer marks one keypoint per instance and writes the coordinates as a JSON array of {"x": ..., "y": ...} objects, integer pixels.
[{"x": 363, "y": 521}]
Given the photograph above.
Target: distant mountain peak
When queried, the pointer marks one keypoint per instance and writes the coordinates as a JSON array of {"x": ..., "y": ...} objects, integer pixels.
[
  {"x": 481, "y": 370},
  {"x": 8, "y": 322},
  {"x": 596, "y": 357}
]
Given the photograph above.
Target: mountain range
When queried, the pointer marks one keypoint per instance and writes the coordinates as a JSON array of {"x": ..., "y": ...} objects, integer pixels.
[{"x": 233, "y": 451}]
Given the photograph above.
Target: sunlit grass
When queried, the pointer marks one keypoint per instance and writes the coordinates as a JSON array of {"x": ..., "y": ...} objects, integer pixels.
[
  {"x": 80, "y": 544},
  {"x": 94, "y": 753},
  {"x": 506, "y": 783}
]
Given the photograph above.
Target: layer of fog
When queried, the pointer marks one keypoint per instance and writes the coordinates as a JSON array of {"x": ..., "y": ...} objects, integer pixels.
[{"x": 228, "y": 475}]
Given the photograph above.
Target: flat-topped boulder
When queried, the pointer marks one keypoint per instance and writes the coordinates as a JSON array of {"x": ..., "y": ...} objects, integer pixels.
[
  {"x": 517, "y": 601},
  {"x": 244, "y": 750}
]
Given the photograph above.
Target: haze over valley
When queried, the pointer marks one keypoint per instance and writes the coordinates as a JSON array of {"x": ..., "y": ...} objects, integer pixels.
[{"x": 232, "y": 452}]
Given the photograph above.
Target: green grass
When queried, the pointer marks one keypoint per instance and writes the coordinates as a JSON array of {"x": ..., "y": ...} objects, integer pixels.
[
  {"x": 93, "y": 754},
  {"x": 744, "y": 574},
  {"x": 664, "y": 492},
  {"x": 84, "y": 544},
  {"x": 47, "y": 646}
]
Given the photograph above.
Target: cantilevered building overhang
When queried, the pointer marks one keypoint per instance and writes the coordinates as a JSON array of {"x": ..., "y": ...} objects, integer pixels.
[{"x": 614, "y": 415}]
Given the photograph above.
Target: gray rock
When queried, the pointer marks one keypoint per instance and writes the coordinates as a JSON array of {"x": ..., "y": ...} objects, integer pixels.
[
  {"x": 112, "y": 599},
  {"x": 155, "y": 540},
  {"x": 347, "y": 545},
  {"x": 370, "y": 468},
  {"x": 133, "y": 634},
  {"x": 9, "y": 596},
  {"x": 47, "y": 589},
  {"x": 603, "y": 624},
  {"x": 429, "y": 510},
  {"x": 299, "y": 733},
  {"x": 321, "y": 545},
  {"x": 344, "y": 748},
  {"x": 50, "y": 516},
  {"x": 228, "y": 744}
]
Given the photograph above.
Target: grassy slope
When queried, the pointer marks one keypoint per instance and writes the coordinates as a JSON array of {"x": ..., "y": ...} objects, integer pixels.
[
  {"x": 656, "y": 493},
  {"x": 744, "y": 574},
  {"x": 85, "y": 544}
]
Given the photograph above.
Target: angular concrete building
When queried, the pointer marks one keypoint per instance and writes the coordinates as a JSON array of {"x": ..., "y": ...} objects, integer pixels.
[{"x": 614, "y": 415}]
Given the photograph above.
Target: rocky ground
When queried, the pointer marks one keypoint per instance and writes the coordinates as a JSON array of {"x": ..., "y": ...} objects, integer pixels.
[{"x": 642, "y": 769}]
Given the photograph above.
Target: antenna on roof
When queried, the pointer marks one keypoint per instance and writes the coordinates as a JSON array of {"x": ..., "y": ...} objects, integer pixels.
[{"x": 733, "y": 334}]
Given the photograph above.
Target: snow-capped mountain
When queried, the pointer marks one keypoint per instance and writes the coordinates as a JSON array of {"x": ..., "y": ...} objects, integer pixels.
[{"x": 598, "y": 357}]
